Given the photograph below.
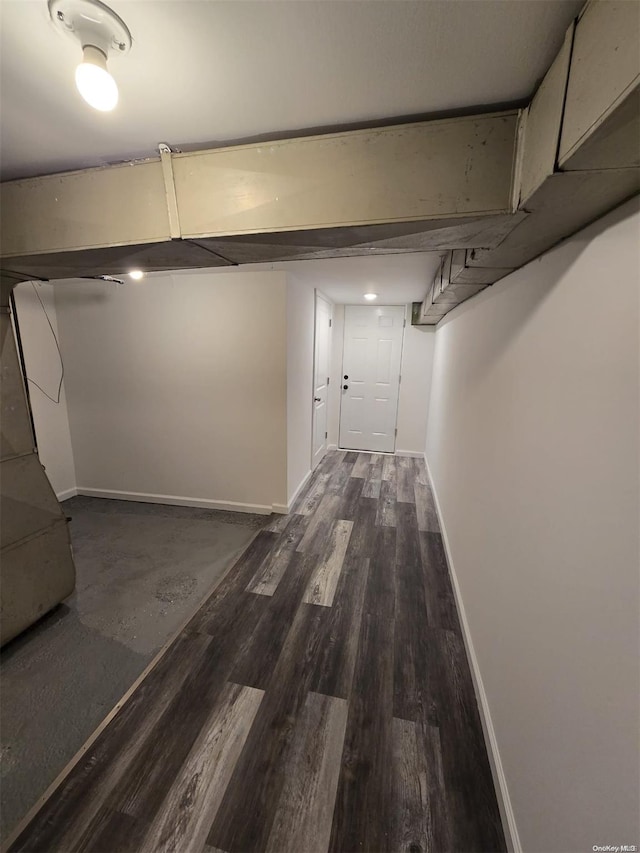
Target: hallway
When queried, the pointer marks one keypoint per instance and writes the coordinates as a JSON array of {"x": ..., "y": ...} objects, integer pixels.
[{"x": 319, "y": 700}]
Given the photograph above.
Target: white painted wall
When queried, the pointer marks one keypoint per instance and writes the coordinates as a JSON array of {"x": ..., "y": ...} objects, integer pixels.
[
  {"x": 415, "y": 388},
  {"x": 413, "y": 400},
  {"x": 533, "y": 447},
  {"x": 43, "y": 366},
  {"x": 300, "y": 341},
  {"x": 177, "y": 387}
]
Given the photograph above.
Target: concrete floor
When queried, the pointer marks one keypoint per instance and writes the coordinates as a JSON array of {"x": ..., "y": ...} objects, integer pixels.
[{"x": 142, "y": 570}]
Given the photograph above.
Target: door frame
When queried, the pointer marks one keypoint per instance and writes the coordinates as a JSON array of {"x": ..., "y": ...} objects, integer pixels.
[
  {"x": 344, "y": 330},
  {"x": 317, "y": 293}
]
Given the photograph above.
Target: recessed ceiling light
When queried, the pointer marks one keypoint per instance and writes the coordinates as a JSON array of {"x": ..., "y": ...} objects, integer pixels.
[
  {"x": 370, "y": 296},
  {"x": 100, "y": 32},
  {"x": 136, "y": 275}
]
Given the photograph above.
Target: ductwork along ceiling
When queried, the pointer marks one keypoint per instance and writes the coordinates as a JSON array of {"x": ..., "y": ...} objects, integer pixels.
[{"x": 489, "y": 192}]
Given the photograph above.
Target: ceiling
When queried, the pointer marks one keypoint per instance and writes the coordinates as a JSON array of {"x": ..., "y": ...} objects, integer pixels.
[
  {"x": 397, "y": 279},
  {"x": 210, "y": 72}
]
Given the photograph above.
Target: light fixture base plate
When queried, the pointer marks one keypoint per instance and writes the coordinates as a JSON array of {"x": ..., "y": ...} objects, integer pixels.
[{"x": 91, "y": 22}]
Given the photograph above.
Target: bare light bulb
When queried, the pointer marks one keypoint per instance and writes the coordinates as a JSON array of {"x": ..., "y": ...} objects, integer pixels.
[
  {"x": 94, "y": 82},
  {"x": 136, "y": 275},
  {"x": 370, "y": 296}
]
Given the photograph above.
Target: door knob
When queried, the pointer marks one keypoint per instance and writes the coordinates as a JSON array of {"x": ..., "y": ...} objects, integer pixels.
[
  {"x": 345, "y": 376},
  {"x": 317, "y": 400},
  {"x": 345, "y": 387}
]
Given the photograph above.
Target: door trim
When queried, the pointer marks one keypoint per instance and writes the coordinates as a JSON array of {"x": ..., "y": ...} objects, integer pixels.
[{"x": 316, "y": 295}]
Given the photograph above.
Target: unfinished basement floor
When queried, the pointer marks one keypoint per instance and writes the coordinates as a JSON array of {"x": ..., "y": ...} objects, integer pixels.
[
  {"x": 142, "y": 571},
  {"x": 320, "y": 699}
]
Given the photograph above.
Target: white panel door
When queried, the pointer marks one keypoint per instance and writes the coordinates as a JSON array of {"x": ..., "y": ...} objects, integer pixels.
[
  {"x": 371, "y": 376},
  {"x": 320, "y": 379}
]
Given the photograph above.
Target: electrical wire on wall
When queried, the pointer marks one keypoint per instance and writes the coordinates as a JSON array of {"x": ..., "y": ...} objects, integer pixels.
[{"x": 55, "y": 399}]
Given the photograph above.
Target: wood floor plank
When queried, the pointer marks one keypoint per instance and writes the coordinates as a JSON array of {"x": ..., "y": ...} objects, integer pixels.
[
  {"x": 220, "y": 616},
  {"x": 373, "y": 482},
  {"x": 331, "y": 462},
  {"x": 361, "y": 466},
  {"x": 363, "y": 535},
  {"x": 350, "y": 499},
  {"x": 324, "y": 580},
  {"x": 386, "y": 510},
  {"x": 410, "y": 816},
  {"x": 406, "y": 481},
  {"x": 247, "y": 812},
  {"x": 410, "y": 668},
  {"x": 430, "y": 755},
  {"x": 255, "y": 664},
  {"x": 426, "y": 509},
  {"x": 336, "y": 659},
  {"x": 140, "y": 793},
  {"x": 362, "y": 812},
  {"x": 277, "y": 523},
  {"x": 305, "y": 809},
  {"x": 121, "y": 831},
  {"x": 376, "y": 466},
  {"x": 371, "y": 489},
  {"x": 389, "y": 471},
  {"x": 351, "y": 457},
  {"x": 269, "y": 573},
  {"x": 194, "y": 797},
  {"x": 318, "y": 527},
  {"x": 474, "y": 817},
  {"x": 339, "y": 479},
  {"x": 308, "y": 502},
  {"x": 420, "y": 472},
  {"x": 420, "y": 818},
  {"x": 216, "y": 607},
  {"x": 439, "y": 596}
]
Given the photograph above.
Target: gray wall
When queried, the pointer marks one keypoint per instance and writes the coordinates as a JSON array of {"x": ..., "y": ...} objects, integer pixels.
[{"x": 533, "y": 447}]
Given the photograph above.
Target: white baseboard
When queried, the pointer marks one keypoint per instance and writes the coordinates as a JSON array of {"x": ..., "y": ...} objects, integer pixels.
[
  {"x": 175, "y": 500},
  {"x": 67, "y": 493},
  {"x": 281, "y": 508},
  {"x": 417, "y": 454},
  {"x": 497, "y": 770}
]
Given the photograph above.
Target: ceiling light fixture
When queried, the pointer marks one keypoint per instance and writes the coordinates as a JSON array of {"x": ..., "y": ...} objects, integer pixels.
[
  {"x": 136, "y": 275},
  {"x": 371, "y": 296},
  {"x": 99, "y": 31}
]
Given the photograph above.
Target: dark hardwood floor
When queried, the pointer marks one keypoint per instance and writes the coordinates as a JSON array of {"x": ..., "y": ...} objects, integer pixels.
[{"x": 320, "y": 699}]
